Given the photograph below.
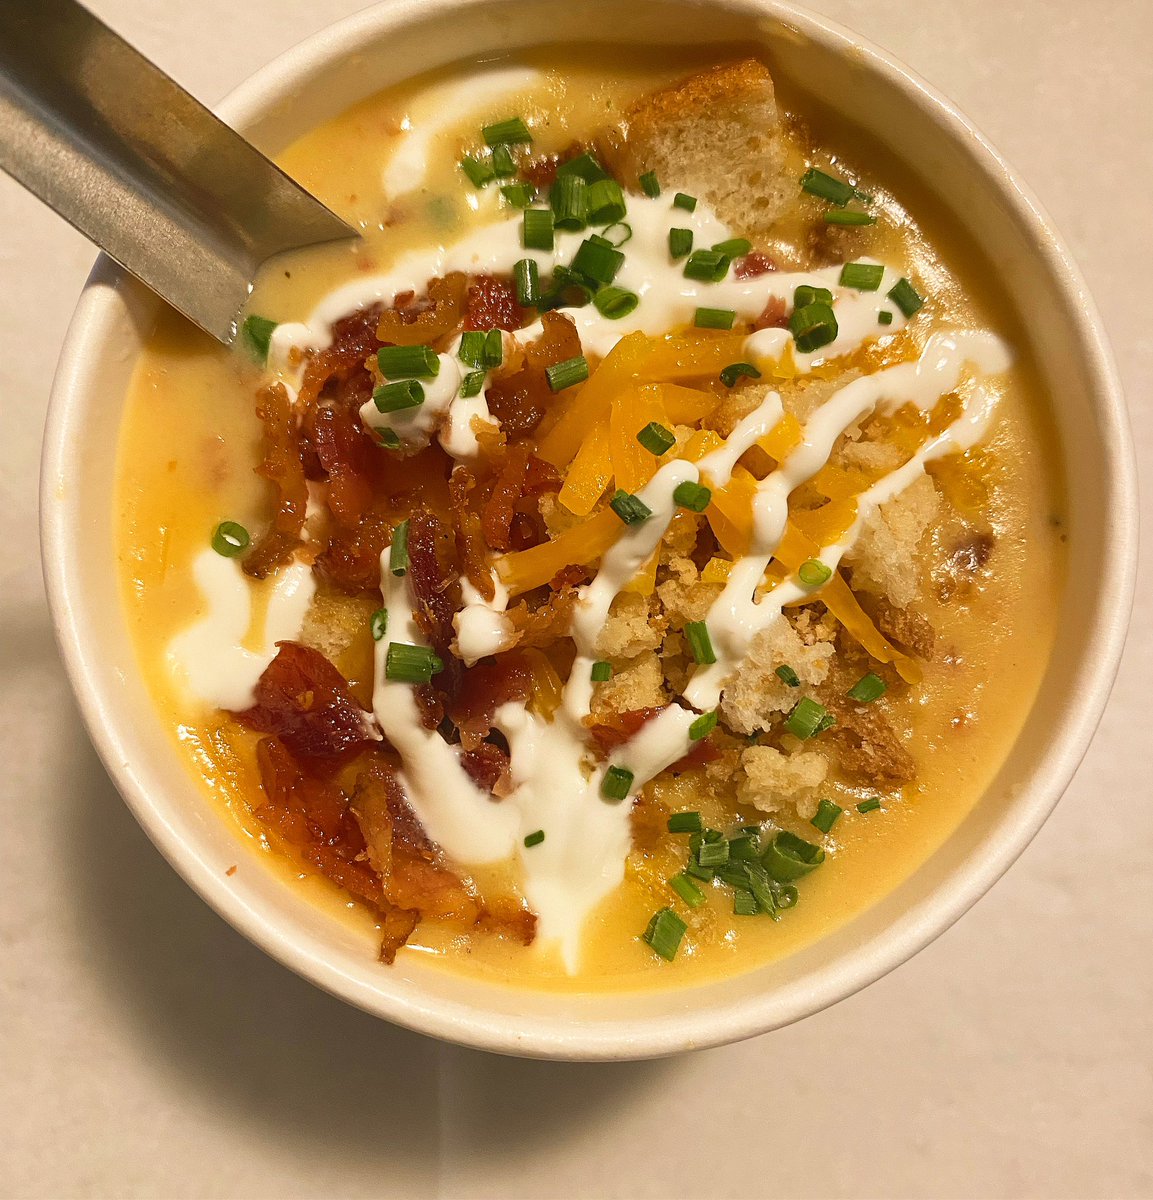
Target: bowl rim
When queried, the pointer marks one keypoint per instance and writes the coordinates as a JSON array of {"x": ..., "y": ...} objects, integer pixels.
[{"x": 95, "y": 316}]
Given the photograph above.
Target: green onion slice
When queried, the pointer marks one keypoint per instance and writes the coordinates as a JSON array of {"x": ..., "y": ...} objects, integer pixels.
[
  {"x": 257, "y": 333},
  {"x": 805, "y": 719},
  {"x": 606, "y": 202},
  {"x": 378, "y": 624},
  {"x": 503, "y": 163},
  {"x": 693, "y": 496},
  {"x": 738, "y": 370},
  {"x": 537, "y": 230},
  {"x": 714, "y": 318},
  {"x": 790, "y": 857},
  {"x": 701, "y": 645},
  {"x": 870, "y": 805},
  {"x": 688, "y": 891},
  {"x": 827, "y": 815},
  {"x": 597, "y": 261},
  {"x": 398, "y": 552},
  {"x": 806, "y": 293},
  {"x": 685, "y": 822},
  {"x": 685, "y": 201},
  {"x": 618, "y": 233},
  {"x": 568, "y": 373},
  {"x": 617, "y": 783},
  {"x": 884, "y": 317},
  {"x": 478, "y": 172},
  {"x": 650, "y": 184},
  {"x": 744, "y": 847},
  {"x": 680, "y": 243},
  {"x": 408, "y": 362},
  {"x": 534, "y": 839},
  {"x": 709, "y": 266},
  {"x": 518, "y": 195},
  {"x": 868, "y": 688},
  {"x": 814, "y": 573},
  {"x": 744, "y": 903},
  {"x": 601, "y": 672},
  {"x": 471, "y": 349},
  {"x": 584, "y": 165},
  {"x": 850, "y": 217},
  {"x": 703, "y": 726},
  {"x": 713, "y": 854},
  {"x": 526, "y": 276},
  {"x": 788, "y": 676},
  {"x": 493, "y": 354},
  {"x": 471, "y": 385},
  {"x": 631, "y": 509},
  {"x": 827, "y": 187},
  {"x": 568, "y": 198},
  {"x": 395, "y": 397},
  {"x": 905, "y": 297},
  {"x": 656, "y": 438},
  {"x": 405, "y": 663},
  {"x": 509, "y": 132},
  {"x": 614, "y": 302},
  {"x": 734, "y": 247},
  {"x": 864, "y": 277},
  {"x": 230, "y": 539},
  {"x": 813, "y": 326},
  {"x": 664, "y": 933},
  {"x": 388, "y": 438}
]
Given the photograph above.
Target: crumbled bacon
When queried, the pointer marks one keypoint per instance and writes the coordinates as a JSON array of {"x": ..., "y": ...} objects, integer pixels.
[
  {"x": 483, "y": 689},
  {"x": 487, "y": 766},
  {"x": 442, "y": 315},
  {"x": 619, "y": 728},
  {"x": 353, "y": 340},
  {"x": 283, "y": 467},
  {"x": 543, "y": 624},
  {"x": 773, "y": 315},
  {"x": 492, "y": 304},
  {"x": 753, "y": 264},
  {"x": 520, "y": 398},
  {"x": 463, "y": 488},
  {"x": 307, "y": 703},
  {"x": 434, "y": 586}
]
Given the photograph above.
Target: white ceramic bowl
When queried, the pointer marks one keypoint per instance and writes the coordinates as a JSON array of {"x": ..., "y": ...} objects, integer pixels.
[{"x": 966, "y": 178}]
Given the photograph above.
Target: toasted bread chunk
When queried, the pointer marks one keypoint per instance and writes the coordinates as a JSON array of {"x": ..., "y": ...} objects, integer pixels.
[{"x": 717, "y": 135}]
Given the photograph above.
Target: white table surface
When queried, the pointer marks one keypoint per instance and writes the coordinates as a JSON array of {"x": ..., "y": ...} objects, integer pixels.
[{"x": 148, "y": 1050}]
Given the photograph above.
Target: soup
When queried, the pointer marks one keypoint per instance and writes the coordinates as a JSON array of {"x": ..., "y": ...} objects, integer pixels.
[{"x": 624, "y": 564}]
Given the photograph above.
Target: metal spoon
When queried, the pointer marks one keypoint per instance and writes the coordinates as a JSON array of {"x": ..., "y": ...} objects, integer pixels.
[{"x": 118, "y": 149}]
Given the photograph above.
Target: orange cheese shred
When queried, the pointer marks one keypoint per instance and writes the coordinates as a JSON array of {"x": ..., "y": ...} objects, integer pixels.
[
  {"x": 590, "y": 472},
  {"x": 524, "y": 570}
]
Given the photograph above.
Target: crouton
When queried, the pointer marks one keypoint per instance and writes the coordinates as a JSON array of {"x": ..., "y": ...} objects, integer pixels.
[
  {"x": 636, "y": 684},
  {"x": 737, "y": 405},
  {"x": 630, "y": 629},
  {"x": 717, "y": 135},
  {"x": 772, "y": 781},
  {"x": 887, "y": 559},
  {"x": 334, "y": 622},
  {"x": 867, "y": 746},
  {"x": 683, "y": 595},
  {"x": 754, "y": 694}
]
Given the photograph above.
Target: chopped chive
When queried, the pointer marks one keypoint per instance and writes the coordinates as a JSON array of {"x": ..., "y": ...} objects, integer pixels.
[
  {"x": 408, "y": 362},
  {"x": 744, "y": 847},
  {"x": 493, "y": 354},
  {"x": 807, "y": 294},
  {"x": 405, "y": 663},
  {"x": 378, "y": 624},
  {"x": 601, "y": 672},
  {"x": 527, "y": 279},
  {"x": 805, "y": 719},
  {"x": 788, "y": 676},
  {"x": 739, "y": 370},
  {"x": 734, "y": 247},
  {"x": 864, "y": 277},
  {"x": 712, "y": 835},
  {"x": 714, "y": 318},
  {"x": 827, "y": 814},
  {"x": 789, "y": 857},
  {"x": 518, "y": 195},
  {"x": 650, "y": 184},
  {"x": 536, "y": 232},
  {"x": 568, "y": 373},
  {"x": 508, "y": 132},
  {"x": 597, "y": 260},
  {"x": 478, "y": 172},
  {"x": 694, "y": 868},
  {"x": 713, "y": 854},
  {"x": 398, "y": 552},
  {"x": 827, "y": 187},
  {"x": 813, "y": 326},
  {"x": 616, "y": 783},
  {"x": 870, "y": 805},
  {"x": 606, "y": 202},
  {"x": 693, "y": 496},
  {"x": 503, "y": 163},
  {"x": 471, "y": 349},
  {"x": 656, "y": 439},
  {"x": 905, "y": 297},
  {"x": 584, "y": 165},
  {"x": 685, "y": 822},
  {"x": 614, "y": 302},
  {"x": 534, "y": 839},
  {"x": 744, "y": 903},
  {"x": 664, "y": 933},
  {"x": 680, "y": 243},
  {"x": 631, "y": 509},
  {"x": 697, "y": 633},
  {"x": 814, "y": 573},
  {"x": 257, "y": 334},
  {"x": 884, "y": 317},
  {"x": 568, "y": 199},
  {"x": 471, "y": 385},
  {"x": 703, "y": 726},
  {"x": 393, "y": 397},
  {"x": 850, "y": 217},
  {"x": 709, "y": 266},
  {"x": 621, "y": 232},
  {"x": 388, "y": 438},
  {"x": 230, "y": 539},
  {"x": 688, "y": 891},
  {"x": 685, "y": 201},
  {"x": 868, "y": 688}
]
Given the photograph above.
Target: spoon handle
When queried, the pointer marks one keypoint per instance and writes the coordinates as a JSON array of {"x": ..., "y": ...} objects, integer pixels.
[{"x": 140, "y": 167}]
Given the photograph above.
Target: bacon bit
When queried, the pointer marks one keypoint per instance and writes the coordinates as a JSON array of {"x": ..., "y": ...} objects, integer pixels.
[
  {"x": 352, "y": 464},
  {"x": 527, "y": 530},
  {"x": 492, "y": 304},
  {"x": 306, "y": 702},
  {"x": 352, "y": 558},
  {"x": 431, "y": 705},
  {"x": 773, "y": 315},
  {"x": 519, "y": 399},
  {"x": 353, "y": 340},
  {"x": 396, "y": 927},
  {"x": 541, "y": 172},
  {"x": 648, "y": 822},
  {"x": 753, "y": 264},
  {"x": 442, "y": 315},
  {"x": 487, "y": 766},
  {"x": 435, "y": 588},
  {"x": 571, "y": 576},
  {"x": 703, "y": 751},
  {"x": 231, "y": 870},
  {"x": 618, "y": 728},
  {"x": 470, "y": 543},
  {"x": 507, "y": 489},
  {"x": 283, "y": 467},
  {"x": 543, "y": 625},
  {"x": 483, "y": 689}
]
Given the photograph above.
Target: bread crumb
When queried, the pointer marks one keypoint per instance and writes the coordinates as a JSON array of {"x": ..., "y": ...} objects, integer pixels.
[
  {"x": 887, "y": 558},
  {"x": 334, "y": 622},
  {"x": 683, "y": 595},
  {"x": 773, "y": 781},
  {"x": 631, "y": 628},
  {"x": 636, "y": 684}
]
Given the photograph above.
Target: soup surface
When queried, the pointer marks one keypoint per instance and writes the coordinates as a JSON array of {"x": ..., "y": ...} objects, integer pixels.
[{"x": 625, "y": 563}]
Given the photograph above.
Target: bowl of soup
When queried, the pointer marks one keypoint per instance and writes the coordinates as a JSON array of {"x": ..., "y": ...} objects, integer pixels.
[{"x": 648, "y": 585}]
